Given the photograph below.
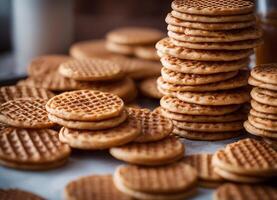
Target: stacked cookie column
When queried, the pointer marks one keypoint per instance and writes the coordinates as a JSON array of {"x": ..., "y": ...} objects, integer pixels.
[
  {"x": 204, "y": 60},
  {"x": 262, "y": 119}
]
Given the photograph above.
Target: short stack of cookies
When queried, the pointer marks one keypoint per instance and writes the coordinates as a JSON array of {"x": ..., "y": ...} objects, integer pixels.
[
  {"x": 28, "y": 141},
  {"x": 204, "y": 60},
  {"x": 60, "y": 73},
  {"x": 92, "y": 119},
  {"x": 262, "y": 119}
]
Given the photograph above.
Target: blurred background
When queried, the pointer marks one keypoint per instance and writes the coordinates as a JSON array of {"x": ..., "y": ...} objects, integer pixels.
[{"x": 34, "y": 27}]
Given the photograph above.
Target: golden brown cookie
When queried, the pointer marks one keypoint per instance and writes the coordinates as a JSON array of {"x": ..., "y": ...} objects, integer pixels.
[
  {"x": 122, "y": 49},
  {"x": 147, "y": 53},
  {"x": 260, "y": 84},
  {"x": 255, "y": 113},
  {"x": 264, "y": 96},
  {"x": 18, "y": 194},
  {"x": 266, "y": 73},
  {"x": 263, "y": 107},
  {"x": 259, "y": 132},
  {"x": 261, "y": 123},
  {"x": 148, "y": 87},
  {"x": 161, "y": 152}
]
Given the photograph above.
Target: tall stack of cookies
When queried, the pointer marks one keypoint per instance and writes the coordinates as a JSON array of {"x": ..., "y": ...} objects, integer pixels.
[
  {"x": 204, "y": 59},
  {"x": 262, "y": 119}
]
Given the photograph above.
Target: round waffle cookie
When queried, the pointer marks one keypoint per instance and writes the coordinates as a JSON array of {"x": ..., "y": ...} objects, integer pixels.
[
  {"x": 85, "y": 105},
  {"x": 217, "y": 98},
  {"x": 154, "y": 126},
  {"x": 148, "y": 87},
  {"x": 261, "y": 84},
  {"x": 212, "y": 19},
  {"x": 266, "y": 73},
  {"x": 44, "y": 65},
  {"x": 259, "y": 132},
  {"x": 194, "y": 79},
  {"x": 175, "y": 105},
  {"x": 90, "y": 69},
  {"x": 208, "y": 26},
  {"x": 25, "y": 113},
  {"x": 247, "y": 157},
  {"x": 211, "y": 7},
  {"x": 205, "y": 136},
  {"x": 16, "y": 194},
  {"x": 134, "y": 35},
  {"x": 160, "y": 152},
  {"x": 209, "y": 127},
  {"x": 263, "y": 107},
  {"x": 103, "y": 189},
  {"x": 138, "y": 68},
  {"x": 90, "y": 125},
  {"x": 238, "y": 115},
  {"x": 179, "y": 40},
  {"x": 8, "y": 93},
  {"x": 167, "y": 47},
  {"x": 90, "y": 49},
  {"x": 32, "y": 149},
  {"x": 265, "y": 124},
  {"x": 102, "y": 139},
  {"x": 239, "y": 80},
  {"x": 147, "y": 53},
  {"x": 264, "y": 96},
  {"x": 255, "y": 113},
  {"x": 175, "y": 181},
  {"x": 249, "y": 33},
  {"x": 230, "y": 191},
  {"x": 123, "y": 49},
  {"x": 201, "y": 67},
  {"x": 205, "y": 171}
]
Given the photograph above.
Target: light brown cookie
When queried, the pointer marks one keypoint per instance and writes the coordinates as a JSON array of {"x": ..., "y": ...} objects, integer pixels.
[
  {"x": 161, "y": 152},
  {"x": 259, "y": 132},
  {"x": 201, "y": 67},
  {"x": 230, "y": 191},
  {"x": 90, "y": 125},
  {"x": 167, "y": 47},
  {"x": 234, "y": 177},
  {"x": 205, "y": 171},
  {"x": 134, "y": 35},
  {"x": 263, "y": 107},
  {"x": 249, "y": 33},
  {"x": 8, "y": 93},
  {"x": 44, "y": 65},
  {"x": 102, "y": 139},
  {"x": 266, "y": 73},
  {"x": 247, "y": 157},
  {"x": 260, "y": 84},
  {"x": 264, "y": 96},
  {"x": 91, "y": 69},
  {"x": 148, "y": 87},
  {"x": 103, "y": 189},
  {"x": 255, "y": 113},
  {"x": 85, "y": 105},
  {"x": 212, "y": 19},
  {"x": 209, "y": 127},
  {"x": 181, "y": 41},
  {"x": 212, "y": 7},
  {"x": 208, "y": 26},
  {"x": 154, "y": 126},
  {"x": 261, "y": 123},
  {"x": 138, "y": 68},
  {"x": 147, "y": 53},
  {"x": 271, "y": 142},
  {"x": 194, "y": 79},
  {"x": 175, "y": 105},
  {"x": 122, "y": 49},
  {"x": 25, "y": 113},
  {"x": 237, "y": 81},
  {"x": 238, "y": 115},
  {"x": 32, "y": 149},
  {"x": 205, "y": 136},
  {"x": 90, "y": 49},
  {"x": 175, "y": 181},
  {"x": 18, "y": 194},
  {"x": 216, "y": 98}
]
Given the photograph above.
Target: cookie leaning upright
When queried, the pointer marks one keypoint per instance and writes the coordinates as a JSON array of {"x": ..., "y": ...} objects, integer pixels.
[
  {"x": 204, "y": 59},
  {"x": 262, "y": 119}
]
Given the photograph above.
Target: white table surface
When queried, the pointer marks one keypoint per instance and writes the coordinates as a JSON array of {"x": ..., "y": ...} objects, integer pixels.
[{"x": 50, "y": 184}]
